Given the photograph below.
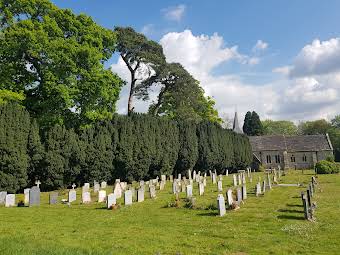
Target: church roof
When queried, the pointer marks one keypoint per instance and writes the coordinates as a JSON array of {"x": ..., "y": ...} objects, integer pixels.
[
  {"x": 236, "y": 126},
  {"x": 291, "y": 143}
]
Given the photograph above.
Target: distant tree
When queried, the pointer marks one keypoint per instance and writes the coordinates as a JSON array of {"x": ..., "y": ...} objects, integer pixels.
[
  {"x": 57, "y": 59},
  {"x": 336, "y": 121},
  {"x": 280, "y": 127},
  {"x": 227, "y": 121},
  {"x": 314, "y": 127},
  {"x": 334, "y": 135},
  {"x": 256, "y": 125},
  {"x": 247, "y": 124},
  {"x": 10, "y": 96},
  {"x": 141, "y": 56}
]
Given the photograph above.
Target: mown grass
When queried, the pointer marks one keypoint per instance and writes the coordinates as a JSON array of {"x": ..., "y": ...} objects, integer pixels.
[{"x": 272, "y": 224}]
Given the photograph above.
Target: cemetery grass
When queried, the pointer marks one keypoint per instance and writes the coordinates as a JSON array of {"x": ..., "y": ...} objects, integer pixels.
[{"x": 270, "y": 224}]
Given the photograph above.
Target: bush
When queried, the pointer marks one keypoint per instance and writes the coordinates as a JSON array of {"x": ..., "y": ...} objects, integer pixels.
[{"x": 327, "y": 167}]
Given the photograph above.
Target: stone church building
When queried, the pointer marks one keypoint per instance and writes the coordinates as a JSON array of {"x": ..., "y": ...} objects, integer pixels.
[{"x": 294, "y": 152}]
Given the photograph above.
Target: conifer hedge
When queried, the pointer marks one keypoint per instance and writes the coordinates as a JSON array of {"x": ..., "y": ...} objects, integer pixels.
[{"x": 127, "y": 147}]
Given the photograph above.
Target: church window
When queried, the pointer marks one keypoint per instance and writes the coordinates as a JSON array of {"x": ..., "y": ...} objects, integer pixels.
[
  {"x": 269, "y": 159},
  {"x": 277, "y": 159},
  {"x": 292, "y": 158},
  {"x": 304, "y": 158}
]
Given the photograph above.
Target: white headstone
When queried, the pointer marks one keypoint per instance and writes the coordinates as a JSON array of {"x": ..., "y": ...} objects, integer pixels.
[
  {"x": 10, "y": 200},
  {"x": 230, "y": 198},
  {"x": 111, "y": 200},
  {"x": 128, "y": 197},
  {"x": 117, "y": 190},
  {"x": 234, "y": 180},
  {"x": 72, "y": 196},
  {"x": 219, "y": 186},
  {"x": 96, "y": 187},
  {"x": 140, "y": 195},
  {"x": 86, "y": 197},
  {"x": 221, "y": 205},
  {"x": 3, "y": 197},
  {"x": 189, "y": 191},
  {"x": 103, "y": 185},
  {"x": 201, "y": 188},
  {"x": 101, "y": 196},
  {"x": 27, "y": 196}
]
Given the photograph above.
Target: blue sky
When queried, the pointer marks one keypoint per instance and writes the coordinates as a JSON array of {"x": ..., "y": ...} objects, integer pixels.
[{"x": 226, "y": 33}]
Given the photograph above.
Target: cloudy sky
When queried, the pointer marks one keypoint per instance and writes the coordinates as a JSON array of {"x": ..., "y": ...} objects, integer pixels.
[{"x": 280, "y": 58}]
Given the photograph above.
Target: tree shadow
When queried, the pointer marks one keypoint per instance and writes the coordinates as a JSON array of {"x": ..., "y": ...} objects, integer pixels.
[
  {"x": 294, "y": 205},
  {"x": 290, "y": 211},
  {"x": 290, "y": 217},
  {"x": 210, "y": 214}
]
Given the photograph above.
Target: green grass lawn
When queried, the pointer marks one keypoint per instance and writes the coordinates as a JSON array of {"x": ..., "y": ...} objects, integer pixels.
[{"x": 272, "y": 224}]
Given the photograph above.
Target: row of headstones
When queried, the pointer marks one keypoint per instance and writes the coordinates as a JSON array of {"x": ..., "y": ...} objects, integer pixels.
[
  {"x": 241, "y": 195},
  {"x": 308, "y": 206}
]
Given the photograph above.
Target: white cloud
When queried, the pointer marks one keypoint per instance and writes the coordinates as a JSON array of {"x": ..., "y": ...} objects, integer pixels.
[
  {"x": 148, "y": 29},
  {"x": 260, "y": 45},
  {"x": 175, "y": 13},
  {"x": 320, "y": 57}
]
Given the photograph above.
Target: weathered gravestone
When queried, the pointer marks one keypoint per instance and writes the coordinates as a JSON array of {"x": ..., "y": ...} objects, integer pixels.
[
  {"x": 214, "y": 178},
  {"x": 152, "y": 192},
  {"x": 227, "y": 172},
  {"x": 161, "y": 185},
  {"x": 3, "y": 197},
  {"x": 103, "y": 185},
  {"x": 72, "y": 196},
  {"x": 264, "y": 187},
  {"x": 244, "y": 192},
  {"x": 219, "y": 186},
  {"x": 174, "y": 187},
  {"x": 239, "y": 195},
  {"x": 182, "y": 186},
  {"x": 309, "y": 200},
  {"x": 189, "y": 191},
  {"x": 140, "y": 194},
  {"x": 189, "y": 174},
  {"x": 171, "y": 178},
  {"x": 111, "y": 200},
  {"x": 96, "y": 187},
  {"x": 117, "y": 189},
  {"x": 234, "y": 180},
  {"x": 128, "y": 197},
  {"x": 258, "y": 189},
  {"x": 53, "y": 198},
  {"x": 204, "y": 181},
  {"x": 86, "y": 187},
  {"x": 221, "y": 205},
  {"x": 201, "y": 188},
  {"x": 194, "y": 175},
  {"x": 34, "y": 196},
  {"x": 10, "y": 200},
  {"x": 101, "y": 196},
  {"x": 179, "y": 177},
  {"x": 163, "y": 178},
  {"x": 230, "y": 198},
  {"x": 305, "y": 206},
  {"x": 86, "y": 197},
  {"x": 27, "y": 196}
]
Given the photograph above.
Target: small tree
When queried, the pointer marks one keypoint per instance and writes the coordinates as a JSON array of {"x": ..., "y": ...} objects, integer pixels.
[{"x": 247, "y": 124}]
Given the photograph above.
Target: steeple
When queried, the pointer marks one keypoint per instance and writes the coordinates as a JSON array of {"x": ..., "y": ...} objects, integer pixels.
[{"x": 236, "y": 126}]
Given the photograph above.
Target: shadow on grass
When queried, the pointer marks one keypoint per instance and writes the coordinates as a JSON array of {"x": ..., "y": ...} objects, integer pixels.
[
  {"x": 294, "y": 205},
  {"x": 290, "y": 217},
  {"x": 208, "y": 214},
  {"x": 290, "y": 211}
]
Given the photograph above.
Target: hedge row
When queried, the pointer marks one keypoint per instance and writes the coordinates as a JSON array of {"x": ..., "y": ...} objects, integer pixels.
[
  {"x": 129, "y": 148},
  {"x": 327, "y": 167}
]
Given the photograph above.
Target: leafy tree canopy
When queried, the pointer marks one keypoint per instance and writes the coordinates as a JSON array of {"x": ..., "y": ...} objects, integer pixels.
[
  {"x": 10, "y": 96},
  {"x": 252, "y": 125},
  {"x": 314, "y": 127},
  {"x": 336, "y": 121},
  {"x": 57, "y": 58},
  {"x": 280, "y": 127}
]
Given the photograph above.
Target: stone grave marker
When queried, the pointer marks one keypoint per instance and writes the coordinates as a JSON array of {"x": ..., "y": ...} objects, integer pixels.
[
  {"x": 227, "y": 173},
  {"x": 171, "y": 178},
  {"x": 200, "y": 188},
  {"x": 34, "y": 196},
  {"x": 118, "y": 190},
  {"x": 37, "y": 182},
  {"x": 101, "y": 196},
  {"x": 305, "y": 206},
  {"x": 179, "y": 177},
  {"x": 204, "y": 181},
  {"x": 239, "y": 195},
  {"x": 264, "y": 186},
  {"x": 128, "y": 197},
  {"x": 161, "y": 185},
  {"x": 103, "y": 185},
  {"x": 96, "y": 187},
  {"x": 311, "y": 190},
  {"x": 258, "y": 189},
  {"x": 244, "y": 192},
  {"x": 27, "y": 196},
  {"x": 140, "y": 195},
  {"x": 189, "y": 191},
  {"x": 308, "y": 196},
  {"x": 194, "y": 175},
  {"x": 3, "y": 197},
  {"x": 163, "y": 177},
  {"x": 189, "y": 174},
  {"x": 182, "y": 186},
  {"x": 10, "y": 200},
  {"x": 72, "y": 195},
  {"x": 86, "y": 197},
  {"x": 174, "y": 187},
  {"x": 111, "y": 200},
  {"x": 86, "y": 187},
  {"x": 221, "y": 205},
  {"x": 219, "y": 186},
  {"x": 53, "y": 198},
  {"x": 234, "y": 180},
  {"x": 230, "y": 198},
  {"x": 214, "y": 178},
  {"x": 152, "y": 192}
]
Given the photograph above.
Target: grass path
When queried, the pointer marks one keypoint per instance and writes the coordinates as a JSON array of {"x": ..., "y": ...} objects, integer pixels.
[{"x": 272, "y": 224}]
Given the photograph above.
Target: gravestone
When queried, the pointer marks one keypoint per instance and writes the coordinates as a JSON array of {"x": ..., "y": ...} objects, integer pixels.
[
  {"x": 34, "y": 196},
  {"x": 239, "y": 179},
  {"x": 37, "y": 182},
  {"x": 305, "y": 206},
  {"x": 189, "y": 191},
  {"x": 179, "y": 177},
  {"x": 269, "y": 182},
  {"x": 111, "y": 200},
  {"x": 86, "y": 187},
  {"x": 10, "y": 200},
  {"x": 220, "y": 177},
  {"x": 140, "y": 195},
  {"x": 244, "y": 192},
  {"x": 204, "y": 181},
  {"x": 117, "y": 190},
  {"x": 194, "y": 175},
  {"x": 171, "y": 178},
  {"x": 258, "y": 189},
  {"x": 189, "y": 174},
  {"x": 230, "y": 198},
  {"x": 3, "y": 197},
  {"x": 234, "y": 180},
  {"x": 86, "y": 197},
  {"x": 72, "y": 195},
  {"x": 152, "y": 192},
  {"x": 239, "y": 195},
  {"x": 219, "y": 186},
  {"x": 27, "y": 196},
  {"x": 141, "y": 183},
  {"x": 309, "y": 200},
  {"x": 227, "y": 173},
  {"x": 163, "y": 178},
  {"x": 221, "y": 205},
  {"x": 101, "y": 196},
  {"x": 214, "y": 178},
  {"x": 96, "y": 187},
  {"x": 162, "y": 185},
  {"x": 128, "y": 197},
  {"x": 174, "y": 187},
  {"x": 53, "y": 198},
  {"x": 103, "y": 185},
  {"x": 311, "y": 190},
  {"x": 264, "y": 187},
  {"x": 201, "y": 188},
  {"x": 182, "y": 186}
]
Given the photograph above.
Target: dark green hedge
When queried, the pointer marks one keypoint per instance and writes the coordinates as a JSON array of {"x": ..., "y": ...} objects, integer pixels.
[
  {"x": 129, "y": 148},
  {"x": 327, "y": 167}
]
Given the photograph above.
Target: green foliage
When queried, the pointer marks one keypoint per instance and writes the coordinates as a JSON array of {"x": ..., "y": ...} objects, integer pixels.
[
  {"x": 280, "y": 127},
  {"x": 141, "y": 56},
  {"x": 14, "y": 131},
  {"x": 327, "y": 167},
  {"x": 334, "y": 136},
  {"x": 10, "y": 96},
  {"x": 336, "y": 121},
  {"x": 252, "y": 124},
  {"x": 314, "y": 127},
  {"x": 57, "y": 58}
]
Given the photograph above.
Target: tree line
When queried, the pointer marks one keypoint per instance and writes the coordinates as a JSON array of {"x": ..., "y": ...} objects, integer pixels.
[{"x": 134, "y": 147}]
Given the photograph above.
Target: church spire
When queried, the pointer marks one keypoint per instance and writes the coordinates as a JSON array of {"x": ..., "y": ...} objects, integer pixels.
[{"x": 236, "y": 126}]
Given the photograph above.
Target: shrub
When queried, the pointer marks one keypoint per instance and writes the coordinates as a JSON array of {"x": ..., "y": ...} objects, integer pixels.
[{"x": 327, "y": 167}]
